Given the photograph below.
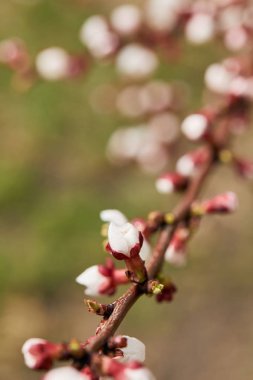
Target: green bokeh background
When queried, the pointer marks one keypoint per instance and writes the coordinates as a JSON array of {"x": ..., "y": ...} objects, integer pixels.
[{"x": 54, "y": 180}]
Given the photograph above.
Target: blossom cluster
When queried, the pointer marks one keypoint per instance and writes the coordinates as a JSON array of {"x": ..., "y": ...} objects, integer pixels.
[{"x": 133, "y": 39}]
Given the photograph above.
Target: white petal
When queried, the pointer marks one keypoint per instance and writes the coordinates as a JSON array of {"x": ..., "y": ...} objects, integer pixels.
[
  {"x": 65, "y": 373},
  {"x": 145, "y": 251},
  {"x": 138, "y": 374},
  {"x": 115, "y": 216},
  {"x": 131, "y": 234},
  {"x": 116, "y": 239},
  {"x": 92, "y": 279},
  {"x": 135, "y": 350}
]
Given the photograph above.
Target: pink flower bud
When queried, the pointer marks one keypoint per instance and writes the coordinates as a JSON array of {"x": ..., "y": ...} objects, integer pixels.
[
  {"x": 244, "y": 167},
  {"x": 65, "y": 373},
  {"x": 190, "y": 162},
  {"x": 176, "y": 251},
  {"x": 39, "y": 353},
  {"x": 124, "y": 241},
  {"x": 170, "y": 182},
  {"x": 195, "y": 126},
  {"x": 133, "y": 349},
  {"x": 222, "y": 203},
  {"x": 127, "y": 371},
  {"x": 97, "y": 281}
]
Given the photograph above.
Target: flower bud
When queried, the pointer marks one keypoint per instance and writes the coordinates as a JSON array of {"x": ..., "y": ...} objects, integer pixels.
[
  {"x": 118, "y": 218},
  {"x": 176, "y": 251},
  {"x": 125, "y": 241},
  {"x": 133, "y": 349},
  {"x": 65, "y": 373},
  {"x": 53, "y": 63},
  {"x": 136, "y": 61},
  {"x": 190, "y": 162},
  {"x": 126, "y": 371},
  {"x": 222, "y": 203},
  {"x": 39, "y": 353},
  {"x": 98, "y": 280},
  {"x": 195, "y": 126},
  {"x": 170, "y": 182}
]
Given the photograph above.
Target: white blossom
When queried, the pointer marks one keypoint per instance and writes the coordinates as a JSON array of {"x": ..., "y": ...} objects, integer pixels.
[
  {"x": 53, "y": 63},
  {"x": 136, "y": 61}
]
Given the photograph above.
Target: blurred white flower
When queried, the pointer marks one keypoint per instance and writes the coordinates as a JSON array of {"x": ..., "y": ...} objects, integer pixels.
[
  {"x": 200, "y": 29},
  {"x": 126, "y": 19},
  {"x": 53, "y": 63},
  {"x": 97, "y": 37},
  {"x": 194, "y": 126},
  {"x": 136, "y": 61}
]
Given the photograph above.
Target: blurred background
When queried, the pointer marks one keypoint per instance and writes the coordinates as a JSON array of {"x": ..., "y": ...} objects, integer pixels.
[{"x": 55, "y": 179}]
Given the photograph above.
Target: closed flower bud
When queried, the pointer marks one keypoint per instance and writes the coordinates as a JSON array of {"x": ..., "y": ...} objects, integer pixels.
[
  {"x": 118, "y": 218},
  {"x": 65, "y": 373},
  {"x": 39, "y": 353},
  {"x": 195, "y": 126},
  {"x": 98, "y": 280},
  {"x": 136, "y": 61},
  {"x": 53, "y": 63},
  {"x": 170, "y": 182},
  {"x": 124, "y": 241},
  {"x": 244, "y": 167},
  {"x": 133, "y": 349},
  {"x": 222, "y": 203},
  {"x": 190, "y": 162},
  {"x": 176, "y": 251}
]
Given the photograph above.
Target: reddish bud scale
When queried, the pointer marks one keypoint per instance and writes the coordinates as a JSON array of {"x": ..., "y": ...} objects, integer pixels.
[
  {"x": 167, "y": 293},
  {"x": 243, "y": 167}
]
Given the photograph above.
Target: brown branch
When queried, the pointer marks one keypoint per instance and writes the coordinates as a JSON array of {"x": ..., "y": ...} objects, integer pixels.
[{"x": 180, "y": 213}]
